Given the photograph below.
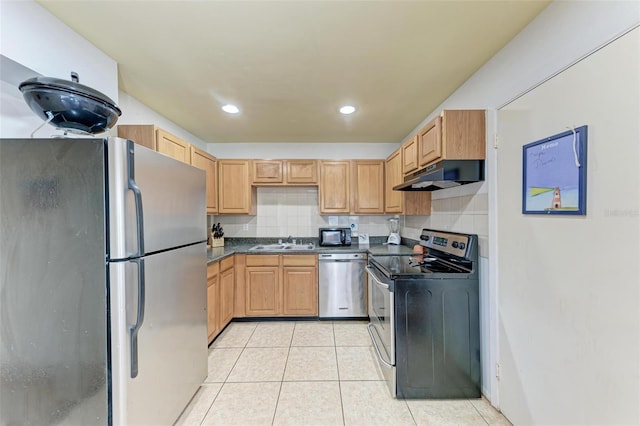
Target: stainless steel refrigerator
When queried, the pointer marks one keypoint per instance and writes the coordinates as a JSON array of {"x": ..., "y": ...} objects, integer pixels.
[{"x": 102, "y": 283}]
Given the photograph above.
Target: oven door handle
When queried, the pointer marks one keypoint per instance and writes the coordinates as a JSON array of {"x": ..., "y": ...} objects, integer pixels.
[
  {"x": 375, "y": 346},
  {"x": 372, "y": 275}
]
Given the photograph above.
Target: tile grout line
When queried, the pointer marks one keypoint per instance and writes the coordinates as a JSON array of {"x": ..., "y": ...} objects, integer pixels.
[
  {"x": 478, "y": 411},
  {"x": 221, "y": 386},
  {"x": 284, "y": 370},
  {"x": 211, "y": 405},
  {"x": 227, "y": 377},
  {"x": 410, "y": 412},
  {"x": 335, "y": 353}
]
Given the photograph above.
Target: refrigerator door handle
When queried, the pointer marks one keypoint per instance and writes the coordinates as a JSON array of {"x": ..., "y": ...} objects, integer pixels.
[
  {"x": 133, "y": 330},
  {"x": 137, "y": 194},
  {"x": 137, "y": 197}
]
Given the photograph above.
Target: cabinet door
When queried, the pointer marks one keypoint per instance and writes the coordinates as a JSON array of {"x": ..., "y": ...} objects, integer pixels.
[
  {"x": 302, "y": 171},
  {"x": 300, "y": 287},
  {"x": 262, "y": 291},
  {"x": 410, "y": 156},
  {"x": 334, "y": 187},
  {"x": 142, "y": 134},
  {"x": 227, "y": 289},
  {"x": 393, "y": 200},
  {"x": 267, "y": 171},
  {"x": 368, "y": 176},
  {"x": 212, "y": 307},
  {"x": 463, "y": 134},
  {"x": 430, "y": 142},
  {"x": 207, "y": 162},
  {"x": 235, "y": 194},
  {"x": 173, "y": 146}
]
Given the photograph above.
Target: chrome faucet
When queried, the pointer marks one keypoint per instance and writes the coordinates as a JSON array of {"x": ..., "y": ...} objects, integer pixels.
[{"x": 289, "y": 238}]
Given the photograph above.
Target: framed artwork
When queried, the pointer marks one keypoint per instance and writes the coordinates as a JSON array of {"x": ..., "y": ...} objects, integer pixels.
[{"x": 554, "y": 174}]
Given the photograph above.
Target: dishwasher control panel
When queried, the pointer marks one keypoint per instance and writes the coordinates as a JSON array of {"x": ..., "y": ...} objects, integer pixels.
[{"x": 343, "y": 256}]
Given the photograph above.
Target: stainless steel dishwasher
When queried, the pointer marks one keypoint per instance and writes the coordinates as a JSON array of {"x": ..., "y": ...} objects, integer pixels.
[{"x": 342, "y": 285}]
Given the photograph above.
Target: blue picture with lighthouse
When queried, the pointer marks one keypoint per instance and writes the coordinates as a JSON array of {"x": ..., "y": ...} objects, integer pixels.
[{"x": 554, "y": 174}]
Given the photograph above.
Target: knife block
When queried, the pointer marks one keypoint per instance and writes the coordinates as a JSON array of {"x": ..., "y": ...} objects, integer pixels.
[{"x": 217, "y": 242}]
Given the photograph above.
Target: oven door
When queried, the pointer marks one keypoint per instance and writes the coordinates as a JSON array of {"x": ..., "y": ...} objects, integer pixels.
[{"x": 381, "y": 325}]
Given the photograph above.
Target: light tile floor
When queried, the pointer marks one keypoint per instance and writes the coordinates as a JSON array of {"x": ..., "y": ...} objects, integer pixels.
[{"x": 311, "y": 373}]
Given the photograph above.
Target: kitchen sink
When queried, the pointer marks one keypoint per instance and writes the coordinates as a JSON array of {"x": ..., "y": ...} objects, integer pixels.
[
  {"x": 300, "y": 247},
  {"x": 283, "y": 246}
]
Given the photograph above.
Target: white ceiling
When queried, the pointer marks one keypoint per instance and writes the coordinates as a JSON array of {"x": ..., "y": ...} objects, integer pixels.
[{"x": 289, "y": 65}]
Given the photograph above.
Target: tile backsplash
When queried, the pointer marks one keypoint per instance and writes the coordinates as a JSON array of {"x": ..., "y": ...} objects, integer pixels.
[
  {"x": 466, "y": 214},
  {"x": 293, "y": 211}
]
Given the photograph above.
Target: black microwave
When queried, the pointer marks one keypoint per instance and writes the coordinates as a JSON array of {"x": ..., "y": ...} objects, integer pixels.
[{"x": 335, "y": 236}]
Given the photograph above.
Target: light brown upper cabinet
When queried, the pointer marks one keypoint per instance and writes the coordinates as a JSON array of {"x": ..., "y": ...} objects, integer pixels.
[
  {"x": 416, "y": 203},
  {"x": 454, "y": 135},
  {"x": 285, "y": 172},
  {"x": 368, "y": 182},
  {"x": 235, "y": 193},
  {"x": 142, "y": 134},
  {"x": 157, "y": 139},
  {"x": 173, "y": 146},
  {"x": 335, "y": 187},
  {"x": 207, "y": 162},
  {"x": 302, "y": 172},
  {"x": 410, "y": 155},
  {"x": 267, "y": 171},
  {"x": 393, "y": 200},
  {"x": 430, "y": 142}
]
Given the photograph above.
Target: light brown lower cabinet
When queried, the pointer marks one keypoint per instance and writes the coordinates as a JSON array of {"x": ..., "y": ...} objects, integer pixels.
[
  {"x": 281, "y": 285},
  {"x": 227, "y": 290},
  {"x": 263, "y": 291},
  {"x": 300, "y": 291},
  {"x": 213, "y": 300},
  {"x": 220, "y": 295}
]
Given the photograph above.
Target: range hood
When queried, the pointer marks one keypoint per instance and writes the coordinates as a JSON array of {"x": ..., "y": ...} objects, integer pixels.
[{"x": 444, "y": 174}]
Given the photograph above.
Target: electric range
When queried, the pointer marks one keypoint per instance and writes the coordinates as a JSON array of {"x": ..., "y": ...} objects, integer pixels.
[{"x": 424, "y": 317}]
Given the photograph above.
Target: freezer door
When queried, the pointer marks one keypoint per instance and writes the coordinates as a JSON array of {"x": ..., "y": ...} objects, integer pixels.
[
  {"x": 172, "y": 338},
  {"x": 53, "y": 292},
  {"x": 155, "y": 202}
]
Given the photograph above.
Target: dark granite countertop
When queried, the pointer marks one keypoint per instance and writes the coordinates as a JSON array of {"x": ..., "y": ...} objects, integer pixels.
[{"x": 378, "y": 249}]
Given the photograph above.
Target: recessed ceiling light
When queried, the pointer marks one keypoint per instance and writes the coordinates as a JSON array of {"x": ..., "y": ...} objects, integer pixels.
[
  {"x": 347, "y": 109},
  {"x": 231, "y": 109}
]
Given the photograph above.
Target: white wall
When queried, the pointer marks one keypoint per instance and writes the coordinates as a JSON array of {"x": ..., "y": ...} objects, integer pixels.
[
  {"x": 570, "y": 286},
  {"x": 564, "y": 32},
  {"x": 31, "y": 36},
  {"x": 34, "y": 42}
]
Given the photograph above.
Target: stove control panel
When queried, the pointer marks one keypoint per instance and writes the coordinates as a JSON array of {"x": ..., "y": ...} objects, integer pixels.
[{"x": 452, "y": 243}]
